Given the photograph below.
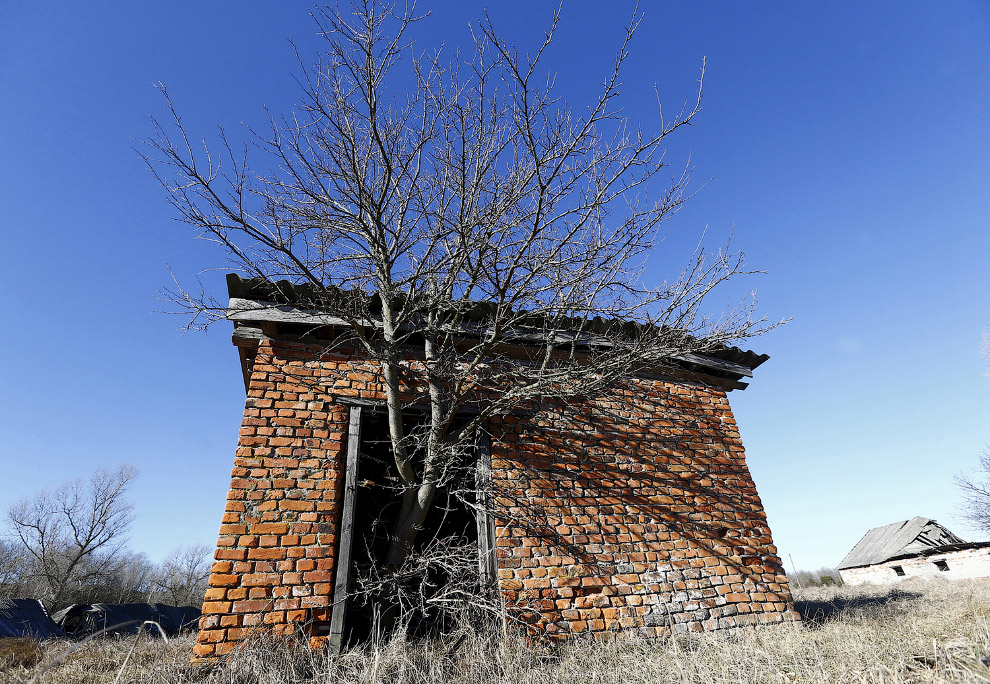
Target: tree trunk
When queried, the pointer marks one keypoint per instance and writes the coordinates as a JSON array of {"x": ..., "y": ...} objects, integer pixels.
[{"x": 418, "y": 492}]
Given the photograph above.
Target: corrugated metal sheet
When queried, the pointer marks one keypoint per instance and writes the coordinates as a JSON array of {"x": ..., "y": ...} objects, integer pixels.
[
  {"x": 906, "y": 537},
  {"x": 27, "y": 618},
  {"x": 79, "y": 620},
  {"x": 256, "y": 299}
]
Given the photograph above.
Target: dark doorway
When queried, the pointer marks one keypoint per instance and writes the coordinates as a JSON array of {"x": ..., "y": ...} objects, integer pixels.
[{"x": 376, "y": 506}]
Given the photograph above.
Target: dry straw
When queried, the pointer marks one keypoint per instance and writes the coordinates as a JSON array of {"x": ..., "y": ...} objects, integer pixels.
[{"x": 919, "y": 632}]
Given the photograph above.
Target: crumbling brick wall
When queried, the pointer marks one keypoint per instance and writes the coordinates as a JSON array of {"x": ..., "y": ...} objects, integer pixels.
[{"x": 637, "y": 512}]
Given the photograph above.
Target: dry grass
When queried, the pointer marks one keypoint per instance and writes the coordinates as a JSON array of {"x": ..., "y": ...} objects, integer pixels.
[
  {"x": 19, "y": 653},
  {"x": 920, "y": 632}
]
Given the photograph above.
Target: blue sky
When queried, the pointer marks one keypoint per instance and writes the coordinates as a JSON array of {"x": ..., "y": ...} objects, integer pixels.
[{"x": 848, "y": 147}]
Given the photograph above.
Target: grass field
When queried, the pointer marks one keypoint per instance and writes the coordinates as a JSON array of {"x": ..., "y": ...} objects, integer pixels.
[{"x": 919, "y": 632}]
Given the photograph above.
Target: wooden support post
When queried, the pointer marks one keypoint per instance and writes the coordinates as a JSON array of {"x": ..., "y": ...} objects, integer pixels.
[
  {"x": 486, "y": 524},
  {"x": 345, "y": 538}
]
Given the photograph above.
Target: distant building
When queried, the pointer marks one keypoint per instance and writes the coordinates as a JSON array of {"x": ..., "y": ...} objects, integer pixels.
[{"x": 918, "y": 547}]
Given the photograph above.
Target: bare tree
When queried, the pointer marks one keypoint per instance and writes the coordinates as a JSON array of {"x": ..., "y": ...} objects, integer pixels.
[
  {"x": 975, "y": 487},
  {"x": 181, "y": 578},
  {"x": 823, "y": 576},
  {"x": 450, "y": 224},
  {"x": 74, "y": 534},
  {"x": 128, "y": 577},
  {"x": 13, "y": 566}
]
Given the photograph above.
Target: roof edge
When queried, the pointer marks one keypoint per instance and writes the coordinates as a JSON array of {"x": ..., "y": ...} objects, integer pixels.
[
  {"x": 284, "y": 293},
  {"x": 945, "y": 548}
]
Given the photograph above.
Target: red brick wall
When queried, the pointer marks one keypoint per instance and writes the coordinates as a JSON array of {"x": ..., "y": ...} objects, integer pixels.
[
  {"x": 274, "y": 559},
  {"x": 634, "y": 513}
]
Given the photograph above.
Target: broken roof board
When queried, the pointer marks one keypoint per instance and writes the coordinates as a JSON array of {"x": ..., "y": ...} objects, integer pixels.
[{"x": 906, "y": 537}]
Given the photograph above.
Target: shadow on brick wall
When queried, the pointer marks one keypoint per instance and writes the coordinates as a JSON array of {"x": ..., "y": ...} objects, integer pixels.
[{"x": 692, "y": 487}]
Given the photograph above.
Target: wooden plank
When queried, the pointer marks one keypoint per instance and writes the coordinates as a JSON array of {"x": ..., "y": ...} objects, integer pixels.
[
  {"x": 247, "y": 364},
  {"x": 485, "y": 521},
  {"x": 714, "y": 363},
  {"x": 380, "y": 405},
  {"x": 372, "y": 404},
  {"x": 681, "y": 375},
  {"x": 246, "y": 336},
  {"x": 346, "y": 536}
]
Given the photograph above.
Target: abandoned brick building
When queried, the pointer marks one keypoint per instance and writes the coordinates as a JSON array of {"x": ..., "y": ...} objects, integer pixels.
[
  {"x": 909, "y": 549},
  {"x": 648, "y": 518}
]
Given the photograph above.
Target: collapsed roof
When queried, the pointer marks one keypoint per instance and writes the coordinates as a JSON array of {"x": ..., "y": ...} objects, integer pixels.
[
  {"x": 27, "y": 618},
  {"x": 79, "y": 620},
  {"x": 906, "y": 538}
]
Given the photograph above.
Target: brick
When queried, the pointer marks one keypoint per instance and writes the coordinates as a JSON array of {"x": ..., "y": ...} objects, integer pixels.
[
  {"x": 248, "y": 541},
  {"x": 204, "y": 649},
  {"x": 231, "y": 554},
  {"x": 238, "y": 633},
  {"x": 290, "y": 505},
  {"x": 259, "y": 579},
  {"x": 270, "y": 553},
  {"x": 318, "y": 576},
  {"x": 269, "y": 528},
  {"x": 212, "y": 636},
  {"x": 217, "y": 580},
  {"x": 215, "y": 593},
  {"x": 249, "y": 607},
  {"x": 216, "y": 607}
]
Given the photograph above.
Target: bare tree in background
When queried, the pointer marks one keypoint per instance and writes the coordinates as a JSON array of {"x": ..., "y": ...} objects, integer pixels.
[
  {"x": 13, "y": 563},
  {"x": 181, "y": 578},
  {"x": 128, "y": 578},
  {"x": 975, "y": 487},
  {"x": 457, "y": 210},
  {"x": 975, "y": 506},
  {"x": 74, "y": 534}
]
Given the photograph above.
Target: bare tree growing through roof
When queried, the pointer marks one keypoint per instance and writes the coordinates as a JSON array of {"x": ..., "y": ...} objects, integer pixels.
[
  {"x": 75, "y": 532},
  {"x": 463, "y": 217}
]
